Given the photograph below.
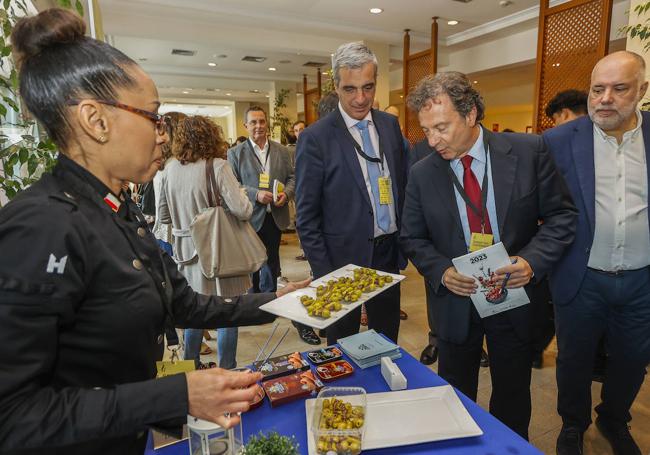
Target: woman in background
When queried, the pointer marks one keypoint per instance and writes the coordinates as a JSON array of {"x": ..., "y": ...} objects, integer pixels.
[
  {"x": 163, "y": 231},
  {"x": 183, "y": 196}
]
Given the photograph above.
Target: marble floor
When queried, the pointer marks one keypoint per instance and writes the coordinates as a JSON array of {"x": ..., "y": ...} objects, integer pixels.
[{"x": 545, "y": 424}]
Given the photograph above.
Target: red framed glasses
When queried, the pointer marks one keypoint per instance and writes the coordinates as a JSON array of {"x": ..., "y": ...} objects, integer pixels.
[{"x": 160, "y": 121}]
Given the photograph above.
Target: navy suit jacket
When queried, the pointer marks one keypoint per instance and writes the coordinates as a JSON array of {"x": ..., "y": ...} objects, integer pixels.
[
  {"x": 572, "y": 146},
  {"x": 527, "y": 188},
  {"x": 334, "y": 216}
]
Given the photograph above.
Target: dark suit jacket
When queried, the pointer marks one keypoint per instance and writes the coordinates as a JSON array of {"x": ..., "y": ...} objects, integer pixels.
[
  {"x": 247, "y": 169},
  {"x": 419, "y": 151},
  {"x": 334, "y": 216},
  {"x": 572, "y": 146},
  {"x": 527, "y": 188}
]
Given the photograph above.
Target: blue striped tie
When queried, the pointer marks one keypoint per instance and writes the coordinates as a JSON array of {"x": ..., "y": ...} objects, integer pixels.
[{"x": 382, "y": 214}]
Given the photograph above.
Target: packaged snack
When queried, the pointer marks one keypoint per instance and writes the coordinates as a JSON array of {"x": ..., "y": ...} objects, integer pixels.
[
  {"x": 324, "y": 355},
  {"x": 334, "y": 370},
  {"x": 289, "y": 388},
  {"x": 281, "y": 365}
]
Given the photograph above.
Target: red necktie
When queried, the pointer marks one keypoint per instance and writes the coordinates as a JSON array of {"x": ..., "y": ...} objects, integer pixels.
[{"x": 473, "y": 191}]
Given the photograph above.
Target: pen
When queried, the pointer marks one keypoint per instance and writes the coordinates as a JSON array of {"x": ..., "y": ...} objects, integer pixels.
[{"x": 505, "y": 280}]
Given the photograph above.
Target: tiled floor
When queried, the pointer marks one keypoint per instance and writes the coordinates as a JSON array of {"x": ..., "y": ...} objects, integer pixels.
[{"x": 545, "y": 424}]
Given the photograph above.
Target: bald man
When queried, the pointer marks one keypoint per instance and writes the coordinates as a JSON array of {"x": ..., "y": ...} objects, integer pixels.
[{"x": 601, "y": 286}]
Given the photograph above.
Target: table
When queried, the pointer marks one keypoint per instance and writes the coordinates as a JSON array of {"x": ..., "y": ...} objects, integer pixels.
[{"x": 289, "y": 419}]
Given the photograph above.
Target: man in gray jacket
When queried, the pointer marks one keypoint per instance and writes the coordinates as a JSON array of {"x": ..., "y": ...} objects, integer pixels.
[{"x": 259, "y": 165}]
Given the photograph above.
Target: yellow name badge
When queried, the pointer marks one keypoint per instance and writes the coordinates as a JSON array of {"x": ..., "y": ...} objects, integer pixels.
[
  {"x": 168, "y": 367},
  {"x": 265, "y": 180},
  {"x": 479, "y": 241},
  {"x": 385, "y": 191}
]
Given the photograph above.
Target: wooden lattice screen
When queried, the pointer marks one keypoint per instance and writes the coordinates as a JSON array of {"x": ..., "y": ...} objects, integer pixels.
[
  {"x": 311, "y": 101},
  {"x": 417, "y": 66},
  {"x": 572, "y": 37}
]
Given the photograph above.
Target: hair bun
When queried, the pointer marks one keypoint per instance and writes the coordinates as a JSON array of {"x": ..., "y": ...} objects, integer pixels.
[{"x": 31, "y": 35}]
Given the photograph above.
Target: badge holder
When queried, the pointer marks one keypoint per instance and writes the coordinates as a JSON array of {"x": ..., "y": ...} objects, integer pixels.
[{"x": 174, "y": 365}]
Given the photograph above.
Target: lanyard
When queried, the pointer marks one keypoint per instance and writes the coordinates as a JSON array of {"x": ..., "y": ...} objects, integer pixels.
[
  {"x": 363, "y": 155},
  {"x": 266, "y": 159},
  {"x": 484, "y": 187}
]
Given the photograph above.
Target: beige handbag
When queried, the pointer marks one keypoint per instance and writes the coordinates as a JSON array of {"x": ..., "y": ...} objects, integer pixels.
[{"x": 226, "y": 246}]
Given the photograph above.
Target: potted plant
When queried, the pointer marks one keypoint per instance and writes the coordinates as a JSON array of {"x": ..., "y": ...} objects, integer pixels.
[
  {"x": 25, "y": 151},
  {"x": 271, "y": 444}
]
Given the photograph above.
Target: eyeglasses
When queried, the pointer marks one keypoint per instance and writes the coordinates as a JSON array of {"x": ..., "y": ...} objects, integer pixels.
[{"x": 160, "y": 121}]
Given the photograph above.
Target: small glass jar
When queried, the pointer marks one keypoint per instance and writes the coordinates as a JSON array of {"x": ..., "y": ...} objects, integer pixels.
[{"x": 207, "y": 438}]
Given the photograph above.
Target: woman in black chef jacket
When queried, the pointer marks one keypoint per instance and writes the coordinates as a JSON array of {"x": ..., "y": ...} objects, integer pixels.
[{"x": 85, "y": 294}]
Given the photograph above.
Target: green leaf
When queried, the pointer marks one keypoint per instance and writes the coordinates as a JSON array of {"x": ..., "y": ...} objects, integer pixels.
[
  {"x": 3, "y": 110},
  {"x": 11, "y": 103},
  {"x": 79, "y": 7},
  {"x": 6, "y": 3},
  {"x": 22, "y": 6},
  {"x": 6, "y": 50},
  {"x": 32, "y": 165},
  {"x": 23, "y": 155},
  {"x": 65, "y": 3},
  {"x": 10, "y": 192}
]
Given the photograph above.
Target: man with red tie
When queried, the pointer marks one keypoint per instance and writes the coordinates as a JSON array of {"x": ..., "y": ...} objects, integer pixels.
[{"x": 480, "y": 188}]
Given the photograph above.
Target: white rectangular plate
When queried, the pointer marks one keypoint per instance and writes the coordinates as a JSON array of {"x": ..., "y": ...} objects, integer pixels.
[
  {"x": 289, "y": 306},
  {"x": 433, "y": 414}
]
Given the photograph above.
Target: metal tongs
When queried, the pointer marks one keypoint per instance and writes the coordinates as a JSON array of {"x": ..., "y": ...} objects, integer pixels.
[{"x": 268, "y": 340}]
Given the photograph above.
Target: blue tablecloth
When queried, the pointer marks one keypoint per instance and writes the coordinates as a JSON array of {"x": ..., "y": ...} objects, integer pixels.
[{"x": 289, "y": 419}]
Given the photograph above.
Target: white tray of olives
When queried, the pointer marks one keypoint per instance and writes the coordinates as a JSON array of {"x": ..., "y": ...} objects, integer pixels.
[
  {"x": 332, "y": 296},
  {"x": 396, "y": 419}
]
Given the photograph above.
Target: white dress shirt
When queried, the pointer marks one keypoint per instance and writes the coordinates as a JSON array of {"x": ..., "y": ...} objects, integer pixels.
[
  {"x": 479, "y": 154},
  {"x": 374, "y": 138},
  {"x": 263, "y": 155},
  {"x": 621, "y": 236}
]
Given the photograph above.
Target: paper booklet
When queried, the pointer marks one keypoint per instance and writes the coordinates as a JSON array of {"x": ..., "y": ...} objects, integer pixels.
[
  {"x": 491, "y": 297},
  {"x": 278, "y": 187}
]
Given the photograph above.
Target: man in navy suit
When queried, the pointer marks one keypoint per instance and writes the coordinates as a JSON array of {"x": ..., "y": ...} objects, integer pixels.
[
  {"x": 342, "y": 162},
  {"x": 447, "y": 208},
  {"x": 602, "y": 284}
]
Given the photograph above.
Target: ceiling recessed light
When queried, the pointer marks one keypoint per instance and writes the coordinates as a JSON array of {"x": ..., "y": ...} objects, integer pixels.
[
  {"x": 228, "y": 94},
  {"x": 376, "y": 10},
  {"x": 185, "y": 92},
  {"x": 212, "y": 64},
  {"x": 324, "y": 73},
  {"x": 452, "y": 22},
  {"x": 271, "y": 68},
  {"x": 267, "y": 96},
  {"x": 476, "y": 82},
  {"x": 331, "y": 55}
]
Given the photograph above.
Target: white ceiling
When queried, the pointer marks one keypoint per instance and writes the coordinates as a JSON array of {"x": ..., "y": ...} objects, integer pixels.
[{"x": 289, "y": 31}]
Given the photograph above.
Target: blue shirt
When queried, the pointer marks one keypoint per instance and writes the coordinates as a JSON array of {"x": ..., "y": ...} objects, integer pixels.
[{"x": 478, "y": 167}]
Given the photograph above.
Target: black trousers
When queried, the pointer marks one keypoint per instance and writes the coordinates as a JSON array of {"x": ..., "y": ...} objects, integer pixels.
[
  {"x": 266, "y": 279},
  {"x": 433, "y": 337},
  {"x": 382, "y": 310},
  {"x": 510, "y": 365},
  {"x": 618, "y": 307}
]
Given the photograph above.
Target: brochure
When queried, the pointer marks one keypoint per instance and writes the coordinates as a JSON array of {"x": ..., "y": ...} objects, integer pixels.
[{"x": 491, "y": 297}]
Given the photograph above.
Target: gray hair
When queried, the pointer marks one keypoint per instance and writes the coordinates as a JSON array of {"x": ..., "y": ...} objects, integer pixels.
[
  {"x": 353, "y": 56},
  {"x": 453, "y": 84}
]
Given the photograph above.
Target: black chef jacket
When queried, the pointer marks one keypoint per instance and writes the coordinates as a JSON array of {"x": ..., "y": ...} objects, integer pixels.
[{"x": 84, "y": 297}]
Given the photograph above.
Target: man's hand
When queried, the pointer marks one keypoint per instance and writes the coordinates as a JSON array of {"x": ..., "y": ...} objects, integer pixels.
[
  {"x": 264, "y": 197},
  {"x": 520, "y": 272},
  {"x": 293, "y": 286},
  {"x": 214, "y": 393},
  {"x": 458, "y": 284},
  {"x": 282, "y": 199}
]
